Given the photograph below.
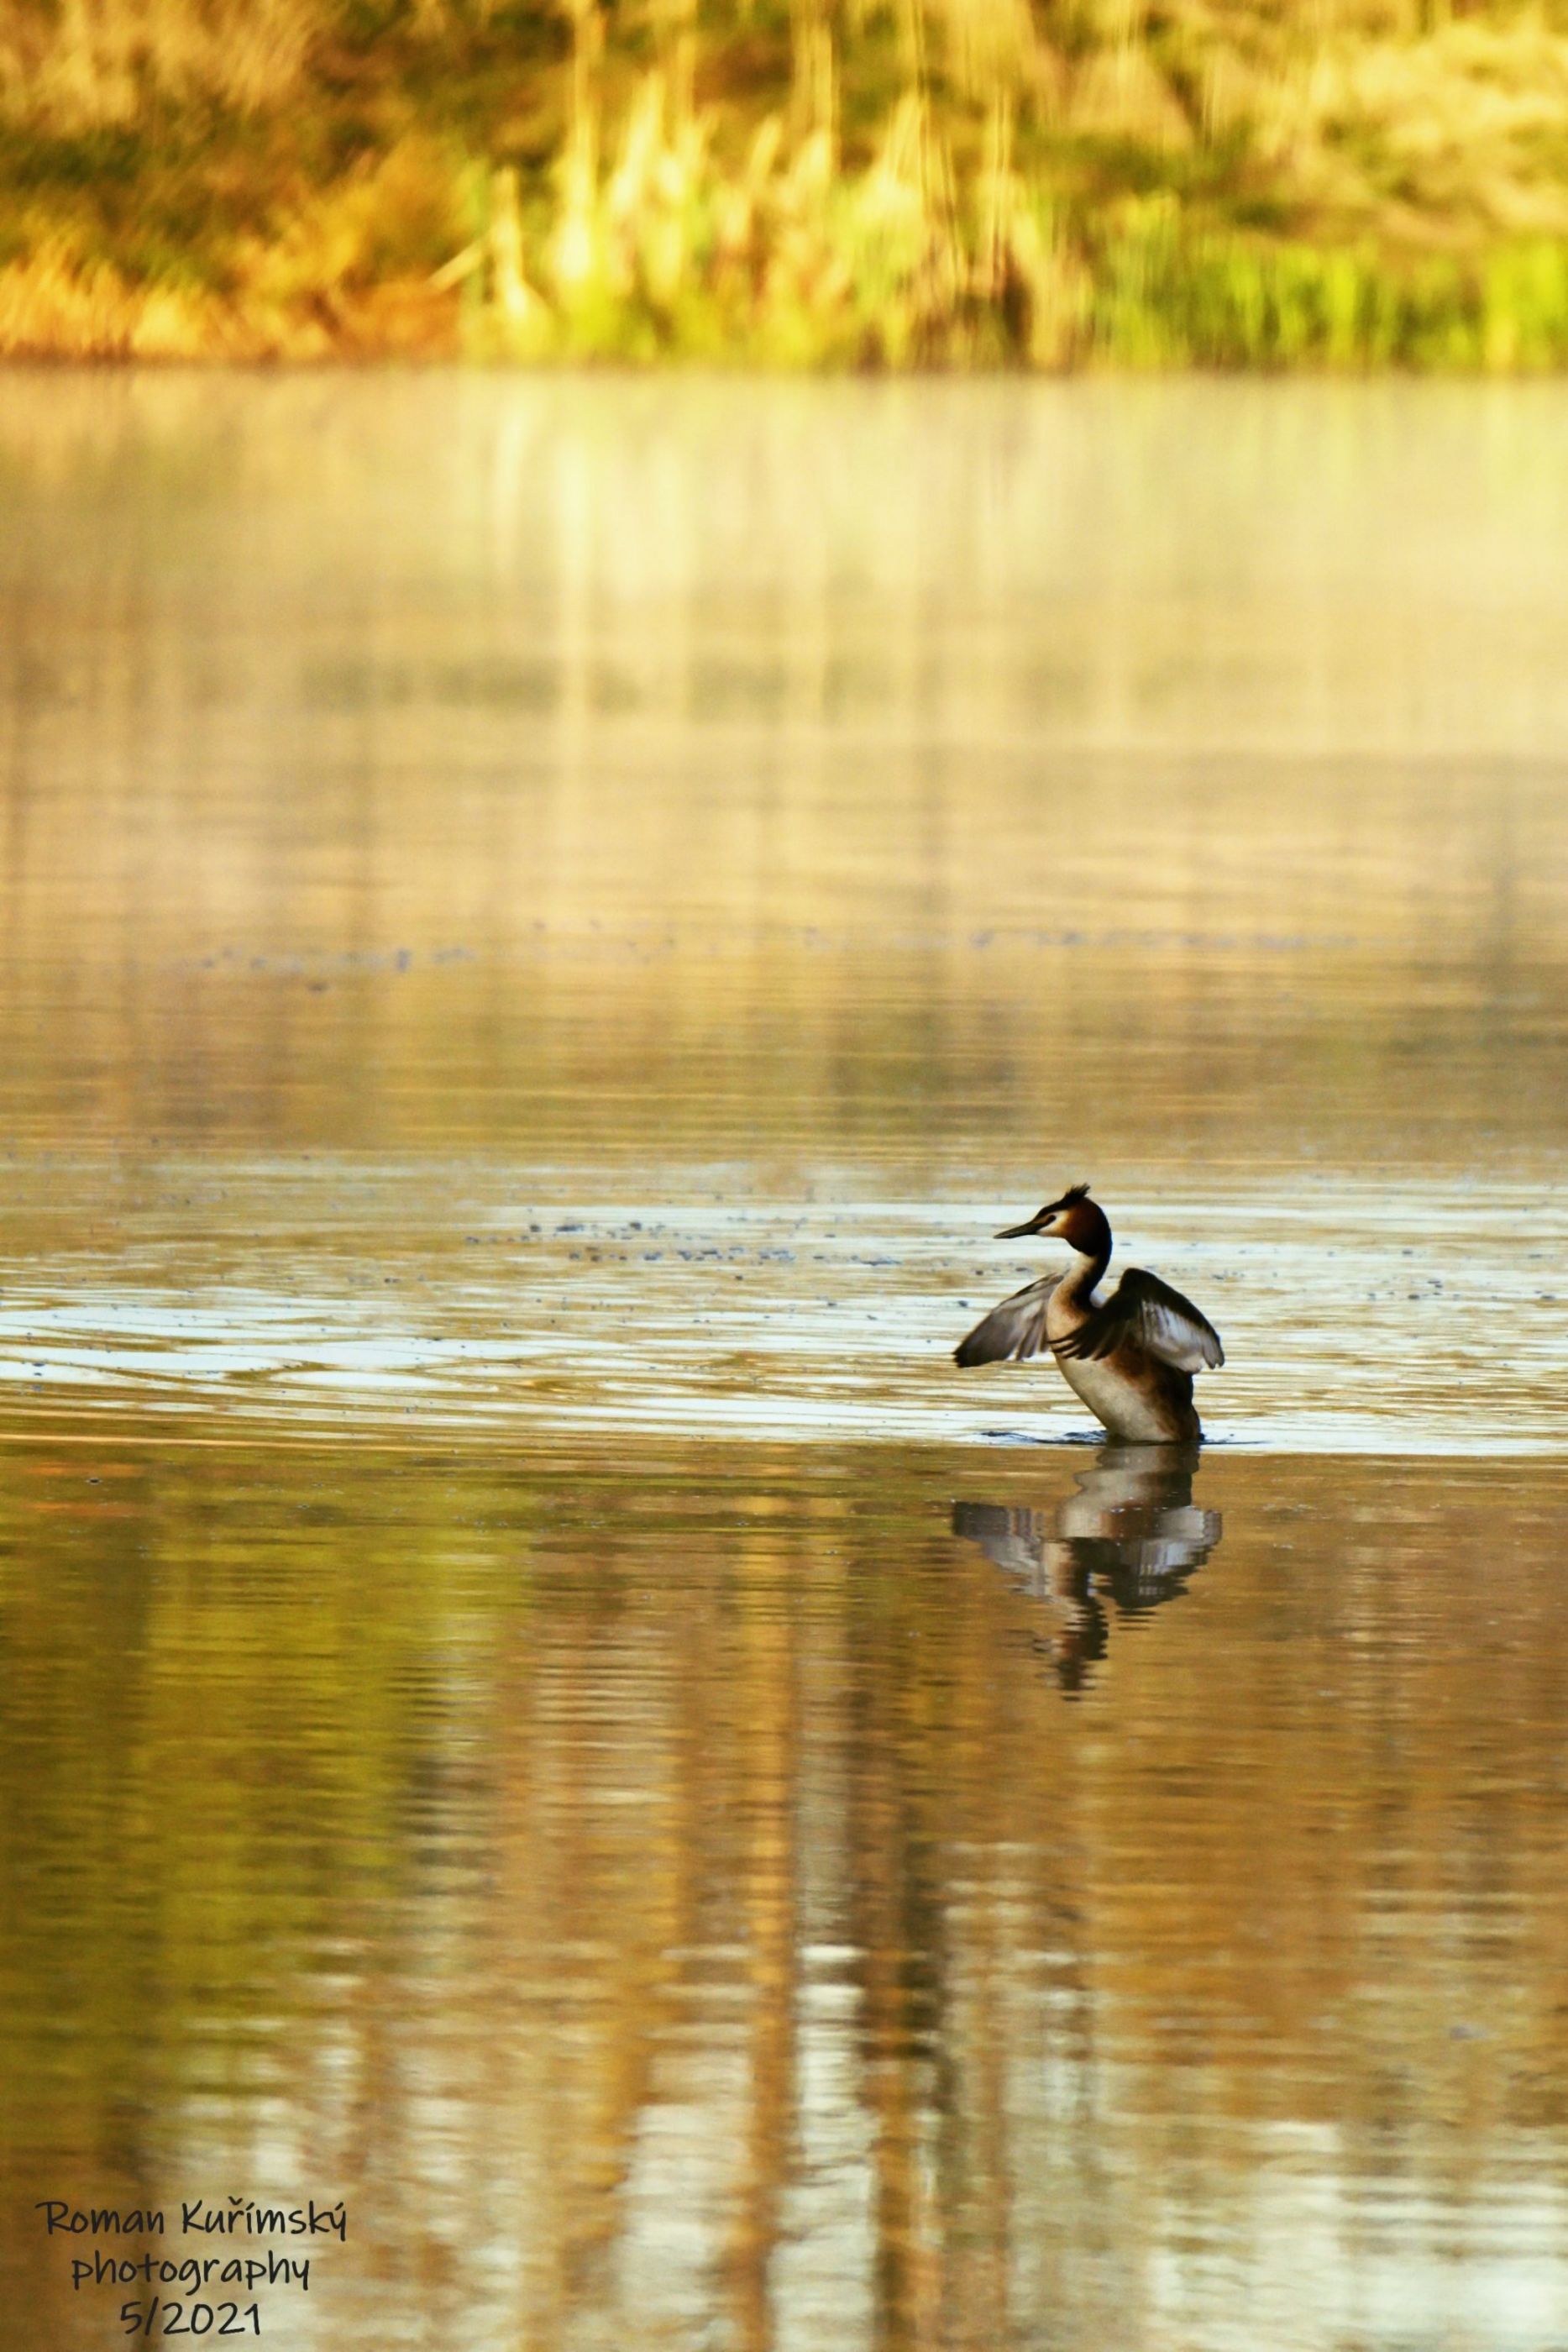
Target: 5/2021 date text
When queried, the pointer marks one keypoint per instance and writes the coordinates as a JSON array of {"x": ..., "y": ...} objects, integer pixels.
[{"x": 163, "y": 2317}]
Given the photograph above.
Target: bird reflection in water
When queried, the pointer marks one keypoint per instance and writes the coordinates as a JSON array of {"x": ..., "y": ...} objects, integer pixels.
[{"x": 1130, "y": 1534}]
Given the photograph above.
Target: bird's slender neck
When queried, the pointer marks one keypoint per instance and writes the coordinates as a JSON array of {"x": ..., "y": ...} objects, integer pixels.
[{"x": 1083, "y": 1271}]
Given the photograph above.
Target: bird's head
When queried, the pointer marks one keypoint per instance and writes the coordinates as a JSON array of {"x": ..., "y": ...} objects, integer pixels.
[{"x": 1075, "y": 1219}]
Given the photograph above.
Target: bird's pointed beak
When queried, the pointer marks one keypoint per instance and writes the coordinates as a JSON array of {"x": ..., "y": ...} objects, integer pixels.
[{"x": 1012, "y": 1232}]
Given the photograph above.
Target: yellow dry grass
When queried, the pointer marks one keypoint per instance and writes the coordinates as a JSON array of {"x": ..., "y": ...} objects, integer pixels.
[
  {"x": 955, "y": 183},
  {"x": 71, "y": 63}
]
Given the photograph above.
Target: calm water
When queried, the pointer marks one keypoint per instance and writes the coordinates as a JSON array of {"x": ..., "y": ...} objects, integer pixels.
[{"x": 544, "y": 926}]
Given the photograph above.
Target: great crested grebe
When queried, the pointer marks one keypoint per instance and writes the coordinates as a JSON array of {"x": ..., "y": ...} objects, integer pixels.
[{"x": 1130, "y": 1357}]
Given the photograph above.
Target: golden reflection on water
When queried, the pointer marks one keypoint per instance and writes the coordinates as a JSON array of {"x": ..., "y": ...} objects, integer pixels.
[
  {"x": 696, "y": 1900},
  {"x": 543, "y": 925},
  {"x": 440, "y": 763}
]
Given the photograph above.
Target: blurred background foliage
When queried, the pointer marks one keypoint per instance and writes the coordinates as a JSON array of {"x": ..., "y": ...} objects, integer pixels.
[{"x": 789, "y": 183}]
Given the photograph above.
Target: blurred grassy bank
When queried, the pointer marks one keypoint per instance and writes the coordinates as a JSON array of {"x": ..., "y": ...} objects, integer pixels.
[{"x": 793, "y": 183}]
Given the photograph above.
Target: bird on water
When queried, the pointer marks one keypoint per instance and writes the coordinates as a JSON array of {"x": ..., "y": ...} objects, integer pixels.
[{"x": 1129, "y": 1356}]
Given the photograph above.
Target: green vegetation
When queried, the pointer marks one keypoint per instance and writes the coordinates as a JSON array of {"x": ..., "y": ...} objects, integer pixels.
[{"x": 793, "y": 182}]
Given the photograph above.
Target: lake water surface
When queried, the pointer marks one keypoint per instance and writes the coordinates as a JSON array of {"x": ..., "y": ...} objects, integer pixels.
[{"x": 544, "y": 924}]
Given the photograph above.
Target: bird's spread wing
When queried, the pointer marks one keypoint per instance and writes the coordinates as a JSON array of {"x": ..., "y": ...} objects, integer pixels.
[
  {"x": 1015, "y": 1328},
  {"x": 1143, "y": 1308}
]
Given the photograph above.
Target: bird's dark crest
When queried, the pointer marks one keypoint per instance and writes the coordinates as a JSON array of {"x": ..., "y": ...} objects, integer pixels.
[{"x": 1074, "y": 1193}]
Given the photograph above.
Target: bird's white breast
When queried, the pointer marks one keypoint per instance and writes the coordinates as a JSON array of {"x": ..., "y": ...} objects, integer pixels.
[{"x": 1125, "y": 1410}]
